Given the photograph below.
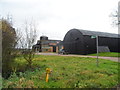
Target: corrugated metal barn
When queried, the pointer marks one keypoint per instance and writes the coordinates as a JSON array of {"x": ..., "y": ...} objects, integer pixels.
[{"x": 78, "y": 41}]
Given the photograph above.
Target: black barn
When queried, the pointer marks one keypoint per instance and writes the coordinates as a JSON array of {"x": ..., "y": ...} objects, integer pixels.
[{"x": 78, "y": 41}]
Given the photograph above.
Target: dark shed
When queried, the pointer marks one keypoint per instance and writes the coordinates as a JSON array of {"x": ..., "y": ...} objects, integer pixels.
[{"x": 78, "y": 41}]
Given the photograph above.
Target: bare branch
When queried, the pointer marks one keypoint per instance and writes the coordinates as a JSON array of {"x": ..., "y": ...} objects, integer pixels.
[{"x": 28, "y": 42}]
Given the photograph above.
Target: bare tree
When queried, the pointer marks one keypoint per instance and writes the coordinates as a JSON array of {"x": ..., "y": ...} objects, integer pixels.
[
  {"x": 27, "y": 41},
  {"x": 114, "y": 16}
]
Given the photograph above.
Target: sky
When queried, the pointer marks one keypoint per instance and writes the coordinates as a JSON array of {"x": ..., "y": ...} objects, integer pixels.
[{"x": 54, "y": 18}]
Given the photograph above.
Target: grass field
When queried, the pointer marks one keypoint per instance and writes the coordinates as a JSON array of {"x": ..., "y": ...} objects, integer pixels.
[
  {"x": 107, "y": 54},
  {"x": 67, "y": 72}
]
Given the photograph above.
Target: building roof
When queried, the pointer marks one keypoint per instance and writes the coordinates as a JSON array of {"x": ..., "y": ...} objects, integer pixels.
[
  {"x": 43, "y": 36},
  {"x": 103, "y": 34}
]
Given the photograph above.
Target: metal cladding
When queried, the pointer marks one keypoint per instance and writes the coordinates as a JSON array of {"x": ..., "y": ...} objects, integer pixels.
[{"x": 78, "y": 41}]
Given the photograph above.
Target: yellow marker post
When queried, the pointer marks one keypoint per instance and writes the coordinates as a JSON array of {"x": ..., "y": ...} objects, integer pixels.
[{"x": 48, "y": 71}]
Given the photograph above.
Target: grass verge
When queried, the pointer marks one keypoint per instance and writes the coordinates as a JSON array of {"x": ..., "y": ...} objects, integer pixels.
[{"x": 107, "y": 54}]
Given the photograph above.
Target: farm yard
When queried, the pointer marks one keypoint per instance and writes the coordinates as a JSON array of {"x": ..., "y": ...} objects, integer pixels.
[{"x": 67, "y": 72}]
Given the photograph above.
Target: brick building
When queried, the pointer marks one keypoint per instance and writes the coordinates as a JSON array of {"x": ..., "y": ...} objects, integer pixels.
[{"x": 47, "y": 45}]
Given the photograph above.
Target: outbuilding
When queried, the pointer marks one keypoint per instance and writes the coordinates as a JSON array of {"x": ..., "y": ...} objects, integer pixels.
[{"x": 78, "y": 41}]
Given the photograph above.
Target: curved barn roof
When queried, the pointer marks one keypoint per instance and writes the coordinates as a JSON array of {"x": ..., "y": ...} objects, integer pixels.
[{"x": 103, "y": 34}]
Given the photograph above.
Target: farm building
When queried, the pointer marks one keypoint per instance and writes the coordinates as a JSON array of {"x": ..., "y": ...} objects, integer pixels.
[
  {"x": 47, "y": 45},
  {"x": 77, "y": 41}
]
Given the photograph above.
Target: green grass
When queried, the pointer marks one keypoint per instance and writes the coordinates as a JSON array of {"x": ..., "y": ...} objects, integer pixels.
[
  {"x": 67, "y": 72},
  {"x": 0, "y": 81},
  {"x": 107, "y": 54}
]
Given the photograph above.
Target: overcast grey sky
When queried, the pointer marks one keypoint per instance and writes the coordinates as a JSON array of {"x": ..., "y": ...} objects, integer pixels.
[{"x": 55, "y": 17}]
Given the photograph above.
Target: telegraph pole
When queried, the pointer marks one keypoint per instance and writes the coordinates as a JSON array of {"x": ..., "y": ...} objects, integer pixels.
[{"x": 97, "y": 50}]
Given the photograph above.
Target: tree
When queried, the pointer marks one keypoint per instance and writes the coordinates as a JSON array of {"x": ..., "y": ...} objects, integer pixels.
[
  {"x": 0, "y": 57},
  {"x": 118, "y": 14},
  {"x": 27, "y": 41},
  {"x": 8, "y": 46},
  {"x": 114, "y": 16}
]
